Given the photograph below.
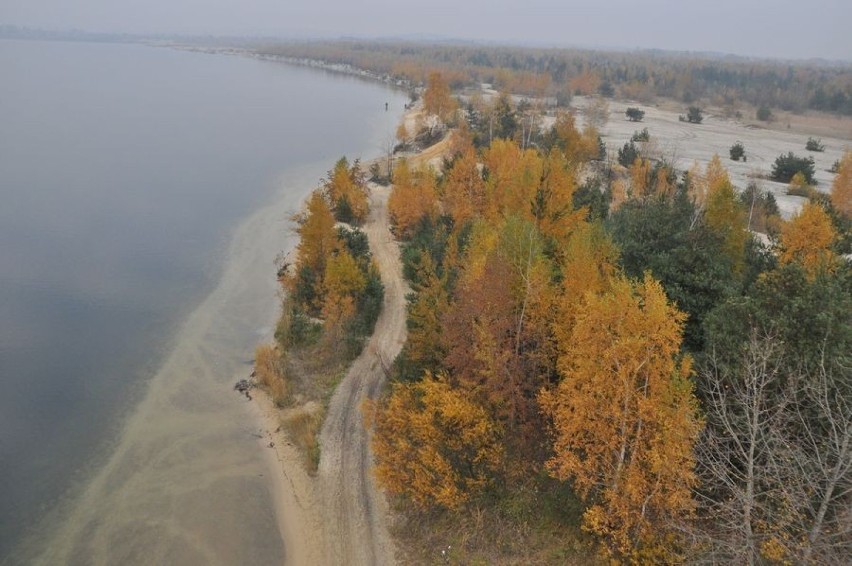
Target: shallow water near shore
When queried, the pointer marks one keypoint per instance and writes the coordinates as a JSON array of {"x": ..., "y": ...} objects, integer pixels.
[{"x": 135, "y": 282}]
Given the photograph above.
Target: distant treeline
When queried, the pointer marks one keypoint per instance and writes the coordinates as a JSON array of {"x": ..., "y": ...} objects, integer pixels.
[{"x": 793, "y": 86}]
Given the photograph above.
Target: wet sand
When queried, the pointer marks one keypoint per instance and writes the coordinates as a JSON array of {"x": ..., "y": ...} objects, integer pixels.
[{"x": 191, "y": 479}]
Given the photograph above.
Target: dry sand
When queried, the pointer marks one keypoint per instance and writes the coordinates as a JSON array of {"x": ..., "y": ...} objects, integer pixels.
[{"x": 192, "y": 480}]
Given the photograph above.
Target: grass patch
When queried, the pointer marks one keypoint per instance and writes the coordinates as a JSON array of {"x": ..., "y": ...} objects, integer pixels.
[
  {"x": 269, "y": 372},
  {"x": 535, "y": 523},
  {"x": 313, "y": 372},
  {"x": 303, "y": 426}
]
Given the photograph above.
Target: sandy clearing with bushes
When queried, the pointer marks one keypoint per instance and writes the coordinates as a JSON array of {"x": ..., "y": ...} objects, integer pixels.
[{"x": 683, "y": 144}]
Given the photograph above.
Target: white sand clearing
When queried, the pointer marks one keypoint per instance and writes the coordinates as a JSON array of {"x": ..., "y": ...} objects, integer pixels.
[{"x": 684, "y": 144}]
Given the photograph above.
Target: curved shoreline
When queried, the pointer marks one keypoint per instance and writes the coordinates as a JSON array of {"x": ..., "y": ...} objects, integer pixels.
[{"x": 190, "y": 480}]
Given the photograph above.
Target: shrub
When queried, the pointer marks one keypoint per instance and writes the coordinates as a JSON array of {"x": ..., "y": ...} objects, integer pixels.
[
  {"x": 786, "y": 166},
  {"x": 764, "y": 114},
  {"x": 814, "y": 145},
  {"x": 376, "y": 174},
  {"x": 694, "y": 115},
  {"x": 642, "y": 136},
  {"x": 269, "y": 370},
  {"x": 303, "y": 427},
  {"x": 835, "y": 167},
  {"x": 628, "y": 154},
  {"x": 738, "y": 152},
  {"x": 799, "y": 186},
  {"x": 634, "y": 114}
]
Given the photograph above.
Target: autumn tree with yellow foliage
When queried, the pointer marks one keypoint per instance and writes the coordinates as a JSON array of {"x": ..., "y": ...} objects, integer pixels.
[
  {"x": 726, "y": 217},
  {"x": 438, "y": 101},
  {"x": 412, "y": 198},
  {"x": 807, "y": 239},
  {"x": 513, "y": 177},
  {"x": 433, "y": 444},
  {"x": 346, "y": 191},
  {"x": 841, "y": 187},
  {"x": 317, "y": 243},
  {"x": 331, "y": 285},
  {"x": 552, "y": 206},
  {"x": 464, "y": 195},
  {"x": 625, "y": 419},
  {"x": 578, "y": 147},
  {"x": 342, "y": 283}
]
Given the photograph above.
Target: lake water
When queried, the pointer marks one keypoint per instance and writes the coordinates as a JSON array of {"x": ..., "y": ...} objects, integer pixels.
[{"x": 125, "y": 172}]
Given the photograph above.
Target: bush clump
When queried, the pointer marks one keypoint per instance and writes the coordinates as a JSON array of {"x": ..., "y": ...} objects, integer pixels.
[
  {"x": 815, "y": 145},
  {"x": 634, "y": 114},
  {"x": 737, "y": 152},
  {"x": 764, "y": 114},
  {"x": 641, "y": 136},
  {"x": 786, "y": 167},
  {"x": 269, "y": 371},
  {"x": 628, "y": 154},
  {"x": 694, "y": 115}
]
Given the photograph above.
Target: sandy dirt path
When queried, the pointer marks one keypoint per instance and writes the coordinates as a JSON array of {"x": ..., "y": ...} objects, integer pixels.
[
  {"x": 354, "y": 511},
  {"x": 339, "y": 516}
]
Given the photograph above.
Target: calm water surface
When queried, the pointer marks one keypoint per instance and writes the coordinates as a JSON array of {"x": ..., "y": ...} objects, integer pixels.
[{"x": 123, "y": 171}]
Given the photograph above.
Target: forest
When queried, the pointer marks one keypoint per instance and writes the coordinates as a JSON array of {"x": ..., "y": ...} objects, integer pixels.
[
  {"x": 603, "y": 361},
  {"x": 559, "y": 73}
]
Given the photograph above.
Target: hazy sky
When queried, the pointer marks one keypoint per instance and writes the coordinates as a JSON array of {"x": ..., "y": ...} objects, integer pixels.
[{"x": 774, "y": 28}]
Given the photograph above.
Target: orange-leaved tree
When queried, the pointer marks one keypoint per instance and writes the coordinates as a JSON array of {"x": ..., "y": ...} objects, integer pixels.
[
  {"x": 578, "y": 147},
  {"x": 726, "y": 217},
  {"x": 587, "y": 264},
  {"x": 346, "y": 189},
  {"x": 433, "y": 444},
  {"x": 640, "y": 178},
  {"x": 464, "y": 189},
  {"x": 343, "y": 282},
  {"x": 424, "y": 348},
  {"x": 552, "y": 206},
  {"x": 413, "y": 198},
  {"x": 317, "y": 242},
  {"x": 513, "y": 177},
  {"x": 497, "y": 334},
  {"x": 625, "y": 418},
  {"x": 438, "y": 98},
  {"x": 841, "y": 188},
  {"x": 807, "y": 239}
]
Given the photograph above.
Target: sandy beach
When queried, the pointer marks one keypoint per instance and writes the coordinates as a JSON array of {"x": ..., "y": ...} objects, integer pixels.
[{"x": 339, "y": 516}]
